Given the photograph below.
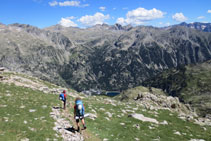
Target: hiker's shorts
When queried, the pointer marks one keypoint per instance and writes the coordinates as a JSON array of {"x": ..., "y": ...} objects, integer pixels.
[
  {"x": 79, "y": 117},
  {"x": 64, "y": 101}
]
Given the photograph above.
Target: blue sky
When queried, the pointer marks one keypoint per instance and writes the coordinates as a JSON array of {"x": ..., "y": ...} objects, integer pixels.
[{"x": 85, "y": 13}]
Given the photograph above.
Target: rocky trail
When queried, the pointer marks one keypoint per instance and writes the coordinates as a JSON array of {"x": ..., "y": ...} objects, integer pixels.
[{"x": 63, "y": 125}]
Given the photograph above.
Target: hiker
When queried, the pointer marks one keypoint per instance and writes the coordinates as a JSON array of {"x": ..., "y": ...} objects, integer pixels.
[
  {"x": 63, "y": 97},
  {"x": 79, "y": 113}
]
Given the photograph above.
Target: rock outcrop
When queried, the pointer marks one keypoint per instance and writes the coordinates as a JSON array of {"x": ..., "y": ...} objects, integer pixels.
[{"x": 191, "y": 84}]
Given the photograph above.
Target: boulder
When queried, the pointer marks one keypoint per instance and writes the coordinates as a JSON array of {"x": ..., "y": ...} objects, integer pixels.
[
  {"x": 109, "y": 114},
  {"x": 164, "y": 122},
  {"x": 177, "y": 133},
  {"x": 143, "y": 118},
  {"x": 122, "y": 123},
  {"x": 137, "y": 139},
  {"x": 91, "y": 116},
  {"x": 44, "y": 89},
  {"x": 172, "y": 102},
  {"x": 54, "y": 91},
  {"x": 2, "y": 69},
  {"x": 208, "y": 116}
]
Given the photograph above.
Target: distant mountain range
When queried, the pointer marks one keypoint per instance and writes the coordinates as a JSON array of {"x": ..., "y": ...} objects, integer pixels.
[
  {"x": 206, "y": 27},
  {"x": 105, "y": 57}
]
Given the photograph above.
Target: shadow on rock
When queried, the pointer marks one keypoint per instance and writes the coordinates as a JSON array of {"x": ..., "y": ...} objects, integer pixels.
[{"x": 71, "y": 129}]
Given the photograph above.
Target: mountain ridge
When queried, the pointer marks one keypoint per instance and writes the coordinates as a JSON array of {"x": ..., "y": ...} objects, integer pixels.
[
  {"x": 104, "y": 57},
  {"x": 206, "y": 27}
]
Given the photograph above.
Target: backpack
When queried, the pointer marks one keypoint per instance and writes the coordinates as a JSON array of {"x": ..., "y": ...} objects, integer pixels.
[
  {"x": 79, "y": 108},
  {"x": 61, "y": 97}
]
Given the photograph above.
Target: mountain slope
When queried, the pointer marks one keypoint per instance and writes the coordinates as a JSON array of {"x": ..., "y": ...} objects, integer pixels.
[
  {"x": 27, "y": 114},
  {"x": 191, "y": 84},
  {"x": 31, "y": 50},
  {"x": 105, "y": 57},
  {"x": 135, "y": 56},
  {"x": 24, "y": 110}
]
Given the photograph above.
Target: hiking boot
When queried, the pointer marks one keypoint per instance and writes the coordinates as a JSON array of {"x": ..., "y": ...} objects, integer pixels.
[{"x": 84, "y": 126}]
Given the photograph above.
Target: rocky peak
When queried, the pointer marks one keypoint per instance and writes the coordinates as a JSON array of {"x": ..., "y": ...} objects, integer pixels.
[
  {"x": 128, "y": 27},
  {"x": 206, "y": 27},
  {"x": 56, "y": 27},
  {"x": 118, "y": 26},
  {"x": 100, "y": 27},
  {"x": 27, "y": 28}
]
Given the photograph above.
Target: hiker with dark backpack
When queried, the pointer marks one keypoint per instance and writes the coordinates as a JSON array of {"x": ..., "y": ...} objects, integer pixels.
[
  {"x": 79, "y": 113},
  {"x": 63, "y": 97}
]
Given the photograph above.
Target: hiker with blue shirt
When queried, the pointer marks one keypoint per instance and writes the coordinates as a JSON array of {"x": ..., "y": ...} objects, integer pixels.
[
  {"x": 63, "y": 97},
  {"x": 79, "y": 113}
]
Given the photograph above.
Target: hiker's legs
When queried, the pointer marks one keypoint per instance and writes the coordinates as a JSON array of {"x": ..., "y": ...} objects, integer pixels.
[
  {"x": 83, "y": 122},
  {"x": 60, "y": 104},
  {"x": 64, "y": 104},
  {"x": 77, "y": 124}
]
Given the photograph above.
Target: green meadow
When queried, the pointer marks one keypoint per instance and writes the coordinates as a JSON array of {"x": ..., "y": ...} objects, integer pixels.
[
  {"x": 25, "y": 114},
  {"x": 122, "y": 127}
]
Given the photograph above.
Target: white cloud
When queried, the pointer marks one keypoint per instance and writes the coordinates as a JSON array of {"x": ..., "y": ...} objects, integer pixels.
[
  {"x": 53, "y": 3},
  {"x": 144, "y": 14},
  {"x": 66, "y": 22},
  {"x": 68, "y": 3},
  {"x": 121, "y": 21},
  {"x": 102, "y": 8},
  {"x": 179, "y": 17},
  {"x": 209, "y": 11},
  {"x": 97, "y": 18},
  {"x": 140, "y": 15},
  {"x": 200, "y": 17}
]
